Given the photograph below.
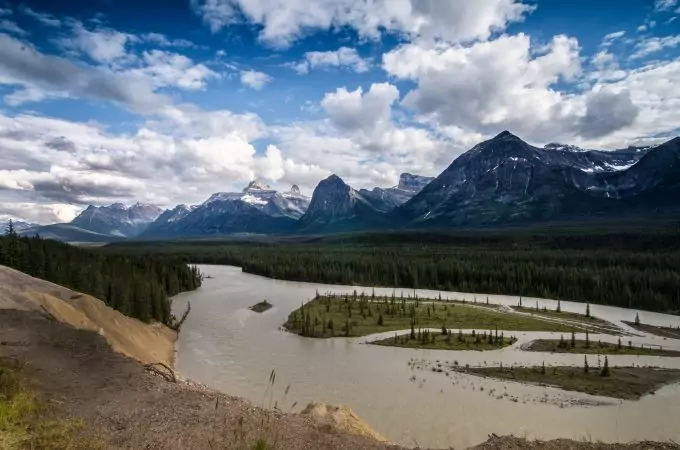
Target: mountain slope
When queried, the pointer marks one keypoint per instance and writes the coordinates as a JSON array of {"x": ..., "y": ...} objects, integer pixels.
[
  {"x": 69, "y": 233},
  {"x": 258, "y": 209},
  {"x": 388, "y": 199},
  {"x": 117, "y": 219},
  {"x": 505, "y": 180},
  {"x": 335, "y": 206}
]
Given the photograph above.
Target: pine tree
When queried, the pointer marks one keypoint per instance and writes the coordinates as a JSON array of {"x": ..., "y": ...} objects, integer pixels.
[
  {"x": 380, "y": 320},
  {"x": 562, "y": 344},
  {"x": 559, "y": 306},
  {"x": 618, "y": 346},
  {"x": 587, "y": 339},
  {"x": 543, "y": 368},
  {"x": 637, "y": 318},
  {"x": 586, "y": 369},
  {"x": 605, "y": 369},
  {"x": 588, "y": 310},
  {"x": 573, "y": 340}
]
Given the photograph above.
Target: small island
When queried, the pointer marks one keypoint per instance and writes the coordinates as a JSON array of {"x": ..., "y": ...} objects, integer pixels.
[
  {"x": 666, "y": 332},
  {"x": 627, "y": 383},
  {"x": 355, "y": 315},
  {"x": 261, "y": 307},
  {"x": 448, "y": 340},
  {"x": 591, "y": 348}
]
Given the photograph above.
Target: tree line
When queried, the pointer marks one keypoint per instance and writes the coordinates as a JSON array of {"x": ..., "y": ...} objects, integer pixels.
[
  {"x": 635, "y": 270},
  {"x": 138, "y": 286}
]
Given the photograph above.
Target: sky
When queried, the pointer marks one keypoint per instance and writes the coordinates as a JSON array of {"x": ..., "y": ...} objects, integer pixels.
[{"x": 167, "y": 102}]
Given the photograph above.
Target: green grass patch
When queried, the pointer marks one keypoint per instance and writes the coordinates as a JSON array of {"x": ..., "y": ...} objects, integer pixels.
[
  {"x": 355, "y": 315},
  {"x": 628, "y": 383},
  {"x": 553, "y": 314},
  {"x": 602, "y": 348},
  {"x": 27, "y": 423},
  {"x": 425, "y": 339}
]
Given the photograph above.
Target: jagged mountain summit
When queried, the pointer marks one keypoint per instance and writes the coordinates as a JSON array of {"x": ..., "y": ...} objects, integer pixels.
[
  {"x": 117, "y": 219},
  {"x": 389, "y": 198},
  {"x": 506, "y": 180},
  {"x": 336, "y": 206},
  {"x": 257, "y": 209}
]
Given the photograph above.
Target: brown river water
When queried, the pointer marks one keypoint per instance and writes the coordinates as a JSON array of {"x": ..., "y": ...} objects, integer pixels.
[{"x": 228, "y": 347}]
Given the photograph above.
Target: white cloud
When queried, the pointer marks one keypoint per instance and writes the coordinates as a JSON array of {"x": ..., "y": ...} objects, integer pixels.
[
  {"x": 654, "y": 44},
  {"x": 23, "y": 65},
  {"x": 12, "y": 27},
  {"x": 611, "y": 37},
  {"x": 342, "y": 57},
  {"x": 163, "y": 41},
  {"x": 44, "y": 18},
  {"x": 172, "y": 69},
  {"x": 254, "y": 79},
  {"x": 664, "y": 5},
  {"x": 354, "y": 110},
  {"x": 502, "y": 83},
  {"x": 39, "y": 213},
  {"x": 102, "y": 45},
  {"x": 284, "y": 21}
]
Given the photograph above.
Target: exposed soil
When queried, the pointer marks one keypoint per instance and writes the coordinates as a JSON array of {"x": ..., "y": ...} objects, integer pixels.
[
  {"x": 132, "y": 408},
  {"x": 148, "y": 343}
]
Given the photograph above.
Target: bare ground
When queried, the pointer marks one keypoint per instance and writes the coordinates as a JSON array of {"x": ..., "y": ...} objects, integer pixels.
[{"x": 131, "y": 408}]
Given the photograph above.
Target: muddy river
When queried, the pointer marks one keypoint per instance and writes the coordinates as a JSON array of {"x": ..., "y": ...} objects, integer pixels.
[{"x": 226, "y": 346}]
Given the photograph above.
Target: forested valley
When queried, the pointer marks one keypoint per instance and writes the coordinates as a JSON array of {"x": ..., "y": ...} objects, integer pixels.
[
  {"x": 633, "y": 268},
  {"x": 136, "y": 285}
]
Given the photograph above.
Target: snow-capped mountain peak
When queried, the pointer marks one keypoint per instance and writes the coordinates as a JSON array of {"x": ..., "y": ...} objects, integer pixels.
[
  {"x": 257, "y": 185},
  {"x": 117, "y": 219},
  {"x": 564, "y": 147}
]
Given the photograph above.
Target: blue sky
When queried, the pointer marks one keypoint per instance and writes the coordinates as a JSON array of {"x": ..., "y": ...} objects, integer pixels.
[{"x": 167, "y": 102}]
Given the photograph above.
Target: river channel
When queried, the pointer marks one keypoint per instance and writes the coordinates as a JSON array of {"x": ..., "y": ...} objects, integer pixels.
[{"x": 228, "y": 347}]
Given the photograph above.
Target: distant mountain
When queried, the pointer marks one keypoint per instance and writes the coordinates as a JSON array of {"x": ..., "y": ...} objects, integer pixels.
[
  {"x": 388, "y": 199},
  {"x": 117, "y": 219},
  {"x": 69, "y": 233},
  {"x": 258, "y": 209},
  {"x": 506, "y": 180},
  {"x": 336, "y": 206},
  {"x": 19, "y": 225},
  {"x": 164, "y": 223}
]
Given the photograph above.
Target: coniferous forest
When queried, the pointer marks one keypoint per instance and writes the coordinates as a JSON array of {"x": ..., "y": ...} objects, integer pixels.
[
  {"x": 630, "y": 268},
  {"x": 136, "y": 285}
]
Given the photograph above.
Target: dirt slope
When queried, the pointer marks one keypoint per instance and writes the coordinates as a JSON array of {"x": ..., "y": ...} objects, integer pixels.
[{"x": 147, "y": 343}]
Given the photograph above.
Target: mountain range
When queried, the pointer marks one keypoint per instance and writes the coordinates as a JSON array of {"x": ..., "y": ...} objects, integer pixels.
[{"x": 499, "y": 181}]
